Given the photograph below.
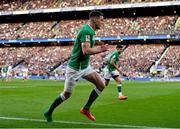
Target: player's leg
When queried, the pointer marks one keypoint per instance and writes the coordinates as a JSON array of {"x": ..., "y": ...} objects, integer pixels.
[
  {"x": 10, "y": 76},
  {"x": 3, "y": 77},
  {"x": 98, "y": 82},
  {"x": 68, "y": 88},
  {"x": 107, "y": 77},
  {"x": 107, "y": 82},
  {"x": 62, "y": 97},
  {"x": 119, "y": 88},
  {"x": 6, "y": 77},
  {"x": 23, "y": 78}
]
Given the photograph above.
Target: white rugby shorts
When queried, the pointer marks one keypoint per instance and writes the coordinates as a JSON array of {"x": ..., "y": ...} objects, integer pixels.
[
  {"x": 72, "y": 76},
  {"x": 108, "y": 75}
]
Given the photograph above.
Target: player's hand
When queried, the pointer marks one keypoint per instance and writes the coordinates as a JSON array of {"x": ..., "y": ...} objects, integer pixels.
[{"x": 104, "y": 47}]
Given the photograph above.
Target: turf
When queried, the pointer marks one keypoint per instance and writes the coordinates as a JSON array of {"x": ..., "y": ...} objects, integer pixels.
[{"x": 150, "y": 104}]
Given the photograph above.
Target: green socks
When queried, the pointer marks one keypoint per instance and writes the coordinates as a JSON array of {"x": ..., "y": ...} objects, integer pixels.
[
  {"x": 94, "y": 94},
  {"x": 56, "y": 102},
  {"x": 119, "y": 88}
]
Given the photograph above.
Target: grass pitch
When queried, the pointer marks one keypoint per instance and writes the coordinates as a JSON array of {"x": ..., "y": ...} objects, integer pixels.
[{"x": 150, "y": 104}]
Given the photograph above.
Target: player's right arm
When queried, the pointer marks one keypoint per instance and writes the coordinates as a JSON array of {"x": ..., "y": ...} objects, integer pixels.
[{"x": 87, "y": 50}]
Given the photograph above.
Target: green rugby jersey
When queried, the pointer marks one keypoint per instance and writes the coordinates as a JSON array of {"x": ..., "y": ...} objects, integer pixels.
[
  {"x": 115, "y": 55},
  {"x": 78, "y": 60}
]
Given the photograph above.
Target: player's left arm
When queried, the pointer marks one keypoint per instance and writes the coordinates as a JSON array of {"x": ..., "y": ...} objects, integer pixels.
[
  {"x": 114, "y": 64},
  {"x": 117, "y": 67}
]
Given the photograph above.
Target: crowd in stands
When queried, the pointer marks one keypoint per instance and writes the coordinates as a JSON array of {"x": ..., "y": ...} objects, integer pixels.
[
  {"x": 112, "y": 27},
  {"x": 135, "y": 61},
  {"x": 9, "y": 5},
  {"x": 172, "y": 60},
  {"x": 13, "y": 55},
  {"x": 39, "y": 60}
]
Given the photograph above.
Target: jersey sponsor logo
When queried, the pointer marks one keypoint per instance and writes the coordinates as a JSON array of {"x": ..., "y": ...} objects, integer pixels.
[{"x": 87, "y": 38}]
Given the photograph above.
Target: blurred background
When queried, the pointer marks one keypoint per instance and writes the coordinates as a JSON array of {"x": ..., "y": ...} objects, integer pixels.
[{"x": 38, "y": 36}]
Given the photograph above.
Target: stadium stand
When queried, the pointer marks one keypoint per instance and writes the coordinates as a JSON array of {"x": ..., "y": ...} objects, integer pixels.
[
  {"x": 172, "y": 60},
  {"x": 43, "y": 4},
  {"x": 38, "y": 59},
  {"x": 68, "y": 29},
  {"x": 135, "y": 61}
]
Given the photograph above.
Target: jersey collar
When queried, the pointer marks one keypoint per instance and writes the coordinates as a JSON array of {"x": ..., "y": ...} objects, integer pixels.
[{"x": 92, "y": 28}]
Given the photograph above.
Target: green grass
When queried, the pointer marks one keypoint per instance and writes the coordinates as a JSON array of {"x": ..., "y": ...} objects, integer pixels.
[{"x": 150, "y": 104}]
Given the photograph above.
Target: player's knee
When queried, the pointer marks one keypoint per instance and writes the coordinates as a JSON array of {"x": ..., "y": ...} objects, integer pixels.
[
  {"x": 65, "y": 95},
  {"x": 100, "y": 86},
  {"x": 118, "y": 82},
  {"x": 106, "y": 82}
]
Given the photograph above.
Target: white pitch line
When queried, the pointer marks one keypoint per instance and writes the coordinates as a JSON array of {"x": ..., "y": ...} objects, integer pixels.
[
  {"x": 15, "y": 87},
  {"x": 79, "y": 123},
  {"x": 28, "y": 86}
]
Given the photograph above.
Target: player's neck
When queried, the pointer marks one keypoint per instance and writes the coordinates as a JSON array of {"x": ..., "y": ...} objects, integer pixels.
[{"x": 92, "y": 25}]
